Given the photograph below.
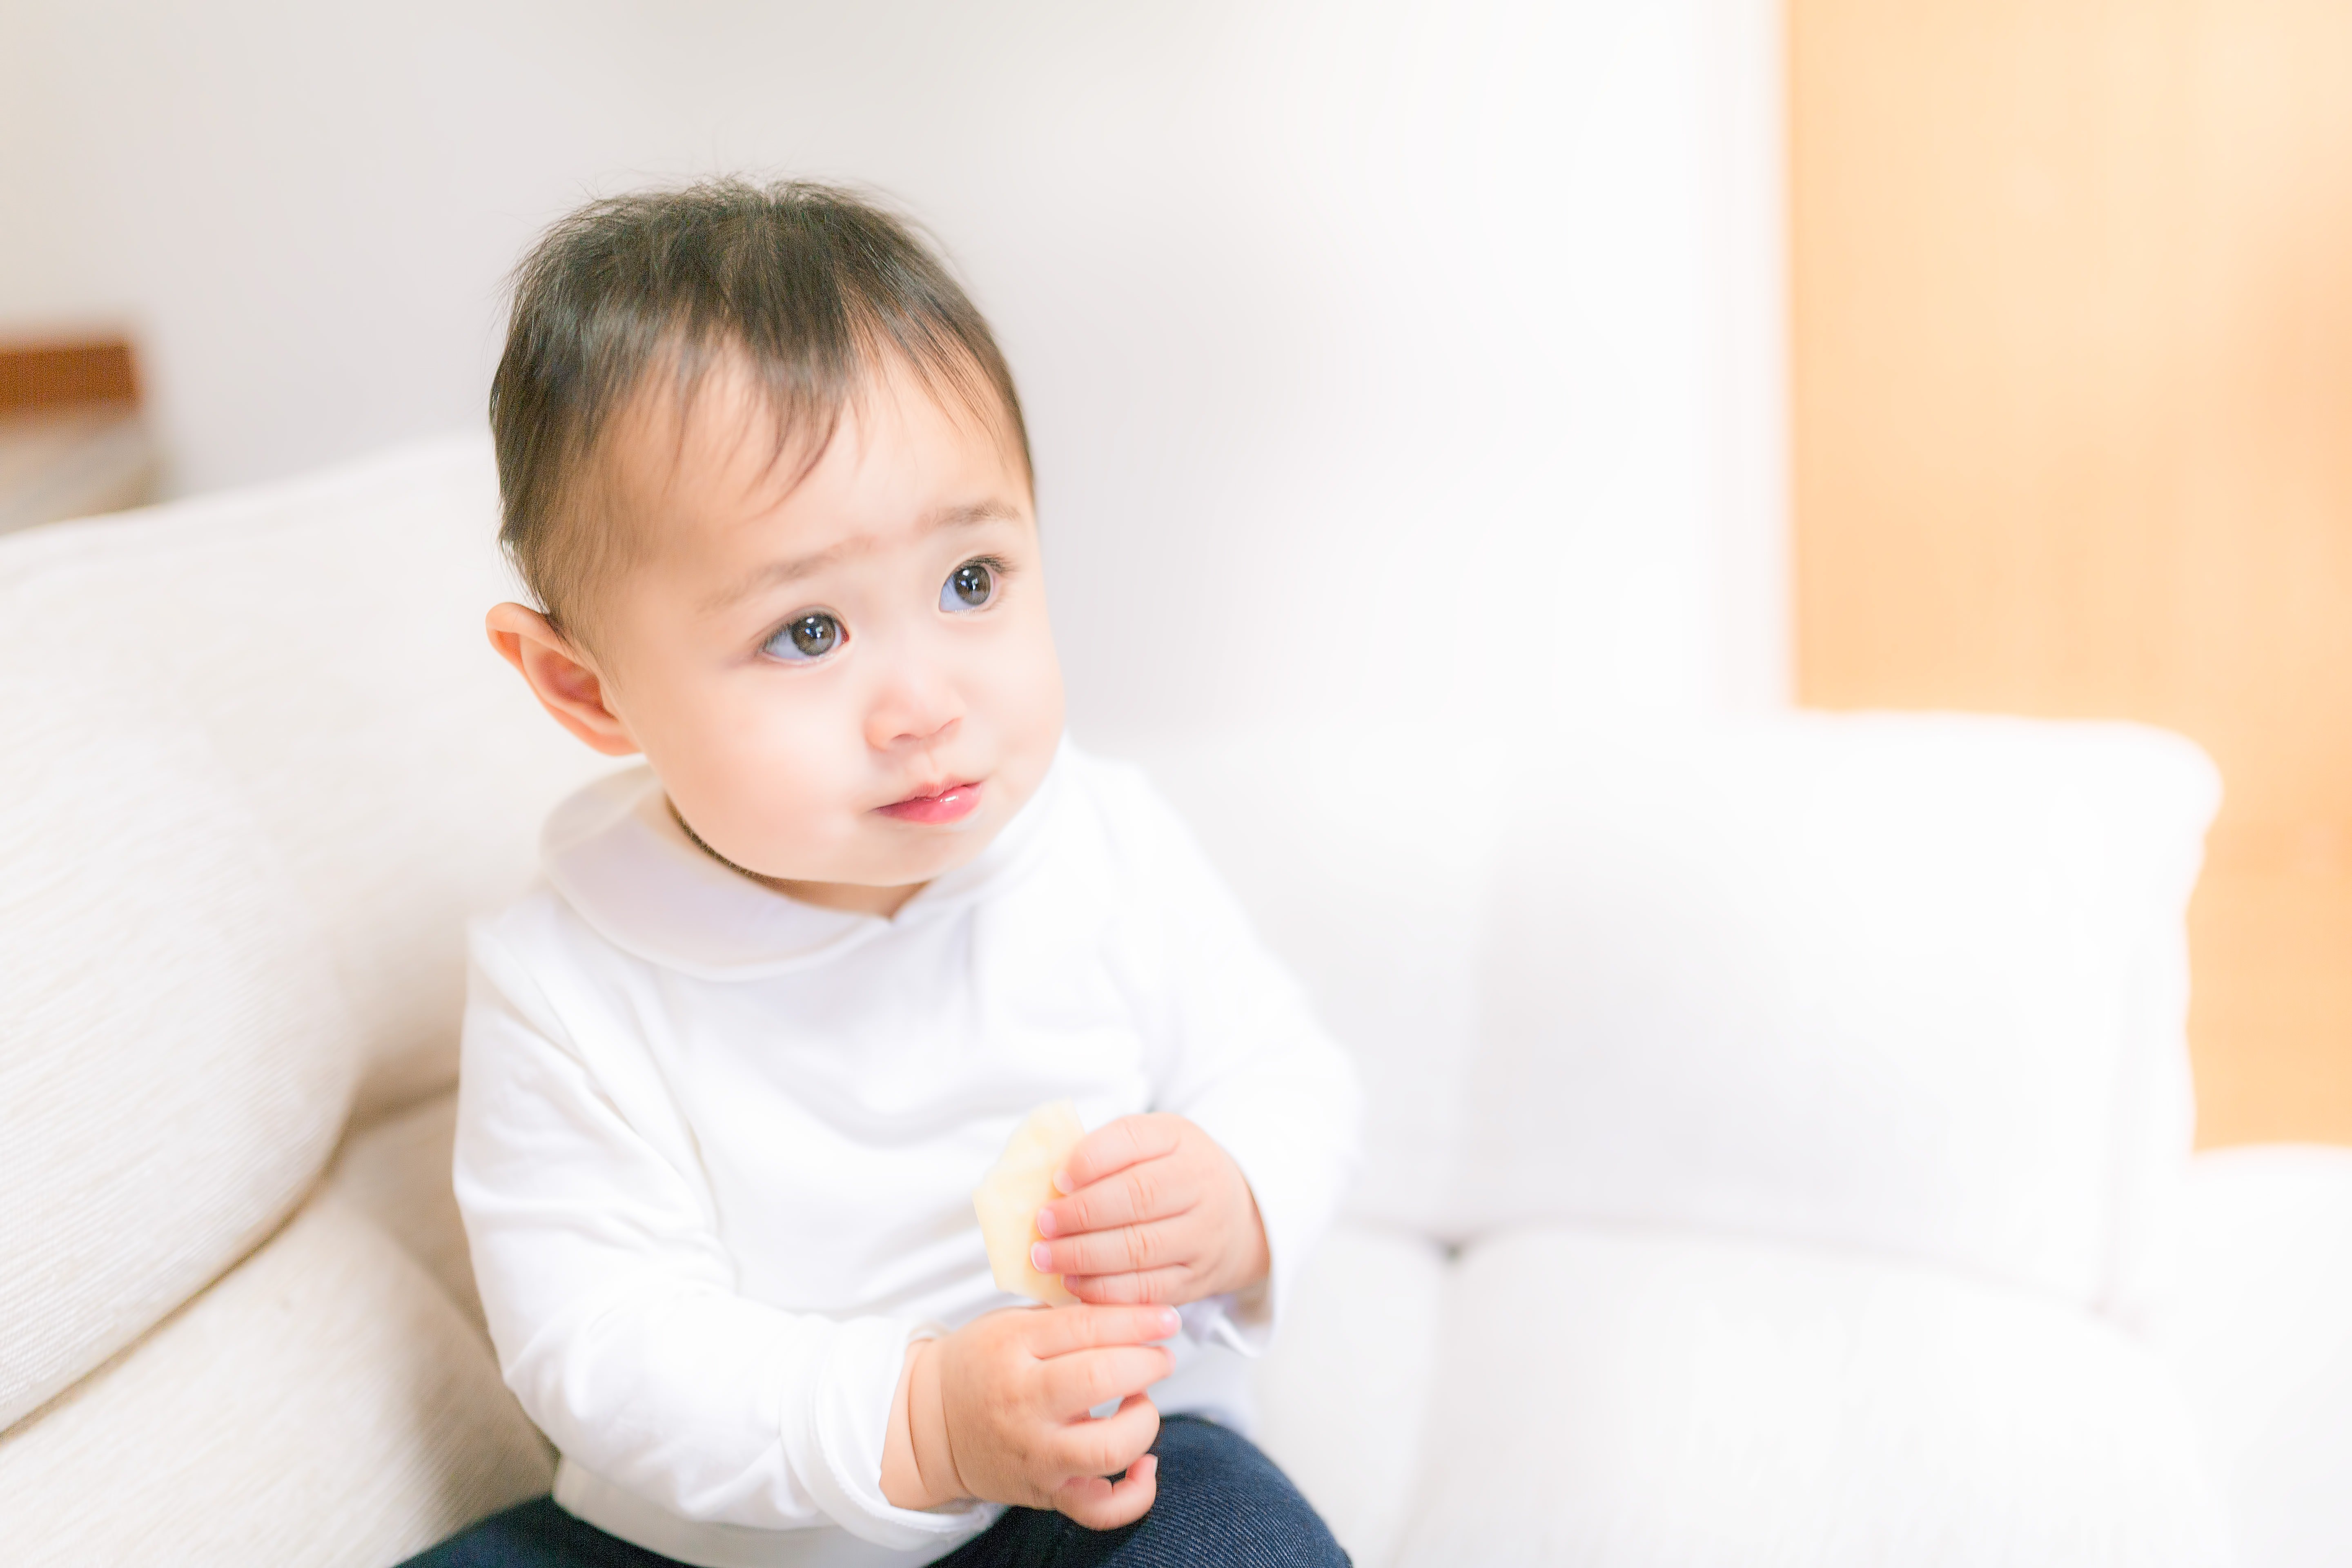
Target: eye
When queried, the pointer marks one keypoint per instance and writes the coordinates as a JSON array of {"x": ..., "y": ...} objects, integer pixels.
[
  {"x": 806, "y": 637},
  {"x": 968, "y": 587}
]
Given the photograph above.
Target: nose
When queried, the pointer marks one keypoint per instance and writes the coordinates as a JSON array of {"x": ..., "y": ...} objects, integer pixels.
[{"x": 914, "y": 706}]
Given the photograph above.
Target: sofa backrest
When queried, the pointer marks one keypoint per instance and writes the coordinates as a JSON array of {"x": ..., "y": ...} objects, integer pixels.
[
  {"x": 258, "y": 765},
  {"x": 1911, "y": 983}
]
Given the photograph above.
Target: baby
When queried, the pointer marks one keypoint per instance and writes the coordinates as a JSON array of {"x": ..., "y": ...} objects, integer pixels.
[{"x": 733, "y": 1073}]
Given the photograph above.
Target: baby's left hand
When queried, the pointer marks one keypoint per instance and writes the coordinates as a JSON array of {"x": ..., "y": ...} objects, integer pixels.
[{"x": 1156, "y": 1212}]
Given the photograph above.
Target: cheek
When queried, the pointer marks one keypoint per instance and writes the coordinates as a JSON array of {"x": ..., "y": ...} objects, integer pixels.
[
  {"x": 1026, "y": 684},
  {"x": 754, "y": 764}
]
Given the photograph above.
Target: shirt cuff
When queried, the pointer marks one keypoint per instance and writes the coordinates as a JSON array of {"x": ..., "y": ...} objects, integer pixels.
[
  {"x": 1239, "y": 1321},
  {"x": 834, "y": 1441}
]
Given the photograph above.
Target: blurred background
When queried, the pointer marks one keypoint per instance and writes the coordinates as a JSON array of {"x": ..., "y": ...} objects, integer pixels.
[{"x": 1529, "y": 365}]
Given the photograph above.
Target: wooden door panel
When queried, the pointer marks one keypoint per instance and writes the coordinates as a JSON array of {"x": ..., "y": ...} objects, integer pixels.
[{"x": 2073, "y": 413}]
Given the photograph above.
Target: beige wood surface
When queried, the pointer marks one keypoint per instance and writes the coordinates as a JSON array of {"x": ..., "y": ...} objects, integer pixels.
[{"x": 2072, "y": 402}]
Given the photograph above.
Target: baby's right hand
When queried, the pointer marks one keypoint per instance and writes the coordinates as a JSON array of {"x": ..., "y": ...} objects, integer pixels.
[{"x": 1012, "y": 1392}]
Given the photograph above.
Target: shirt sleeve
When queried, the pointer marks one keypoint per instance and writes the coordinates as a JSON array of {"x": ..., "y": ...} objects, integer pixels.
[
  {"x": 1239, "y": 1051},
  {"x": 614, "y": 1305}
]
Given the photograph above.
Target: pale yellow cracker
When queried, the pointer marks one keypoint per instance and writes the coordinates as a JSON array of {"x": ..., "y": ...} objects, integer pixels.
[{"x": 1016, "y": 1188}]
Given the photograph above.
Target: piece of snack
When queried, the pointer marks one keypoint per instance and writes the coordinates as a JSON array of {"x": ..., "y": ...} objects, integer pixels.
[{"x": 1016, "y": 1188}]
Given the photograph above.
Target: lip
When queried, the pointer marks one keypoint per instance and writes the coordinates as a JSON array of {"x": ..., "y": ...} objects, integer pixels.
[{"x": 948, "y": 803}]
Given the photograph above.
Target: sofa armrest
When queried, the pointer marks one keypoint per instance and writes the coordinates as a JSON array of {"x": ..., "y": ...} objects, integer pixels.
[
  {"x": 2261, "y": 1336},
  {"x": 320, "y": 1404}
]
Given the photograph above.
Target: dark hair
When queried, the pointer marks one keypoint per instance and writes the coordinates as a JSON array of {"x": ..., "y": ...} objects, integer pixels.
[{"x": 813, "y": 287}]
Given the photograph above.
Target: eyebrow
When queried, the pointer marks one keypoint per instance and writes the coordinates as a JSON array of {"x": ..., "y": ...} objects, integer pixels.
[{"x": 792, "y": 568}]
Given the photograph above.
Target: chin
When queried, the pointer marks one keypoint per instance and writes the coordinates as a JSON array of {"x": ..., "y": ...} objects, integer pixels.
[{"x": 945, "y": 849}]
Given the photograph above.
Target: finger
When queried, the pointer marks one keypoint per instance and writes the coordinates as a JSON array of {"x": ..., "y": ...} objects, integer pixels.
[
  {"x": 1107, "y": 1447},
  {"x": 1129, "y": 1250},
  {"x": 1116, "y": 1146},
  {"x": 1147, "y": 1190},
  {"x": 1169, "y": 1285},
  {"x": 1074, "y": 1384},
  {"x": 1098, "y": 1504},
  {"x": 1062, "y": 1330}
]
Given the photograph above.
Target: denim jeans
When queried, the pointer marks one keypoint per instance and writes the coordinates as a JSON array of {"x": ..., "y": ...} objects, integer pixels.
[{"x": 1222, "y": 1504}]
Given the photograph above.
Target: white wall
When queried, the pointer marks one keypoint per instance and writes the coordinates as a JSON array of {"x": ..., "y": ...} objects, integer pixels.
[{"x": 1377, "y": 354}]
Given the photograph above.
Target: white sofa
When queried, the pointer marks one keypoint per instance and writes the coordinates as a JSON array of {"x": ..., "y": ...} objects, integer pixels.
[{"x": 1777, "y": 1154}]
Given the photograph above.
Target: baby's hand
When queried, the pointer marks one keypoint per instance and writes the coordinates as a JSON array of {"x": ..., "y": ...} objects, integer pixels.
[
  {"x": 1156, "y": 1212},
  {"x": 997, "y": 1410}
]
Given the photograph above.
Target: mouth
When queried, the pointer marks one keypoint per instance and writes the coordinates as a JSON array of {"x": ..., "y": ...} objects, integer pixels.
[{"x": 946, "y": 803}]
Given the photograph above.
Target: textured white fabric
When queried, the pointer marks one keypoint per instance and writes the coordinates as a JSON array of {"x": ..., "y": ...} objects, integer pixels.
[
  {"x": 322, "y": 1406},
  {"x": 2261, "y": 1337},
  {"x": 326, "y": 637},
  {"x": 175, "y": 1060},
  {"x": 1915, "y": 982},
  {"x": 396, "y": 1172},
  {"x": 1342, "y": 1394},
  {"x": 716, "y": 1149},
  {"x": 1643, "y": 1399}
]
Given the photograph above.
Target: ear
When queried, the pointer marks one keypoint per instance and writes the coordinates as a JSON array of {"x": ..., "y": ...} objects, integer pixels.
[{"x": 561, "y": 676}]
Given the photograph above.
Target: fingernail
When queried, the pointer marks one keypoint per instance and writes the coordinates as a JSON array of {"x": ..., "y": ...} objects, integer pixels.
[
  {"x": 1062, "y": 1183},
  {"x": 1168, "y": 1322},
  {"x": 1041, "y": 1258},
  {"x": 1045, "y": 1222},
  {"x": 1149, "y": 1465}
]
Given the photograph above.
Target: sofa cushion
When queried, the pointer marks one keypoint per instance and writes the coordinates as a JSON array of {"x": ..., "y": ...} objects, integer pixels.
[
  {"x": 177, "y": 1057},
  {"x": 325, "y": 635},
  {"x": 2261, "y": 1338},
  {"x": 321, "y": 1404},
  {"x": 396, "y": 1171},
  {"x": 1634, "y": 1399},
  {"x": 1910, "y": 982},
  {"x": 1342, "y": 1393}
]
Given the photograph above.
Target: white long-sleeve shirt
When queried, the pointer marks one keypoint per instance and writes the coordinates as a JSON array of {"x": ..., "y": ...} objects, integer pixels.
[{"x": 716, "y": 1147}]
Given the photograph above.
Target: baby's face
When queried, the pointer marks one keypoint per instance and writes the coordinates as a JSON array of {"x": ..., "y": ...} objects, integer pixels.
[{"x": 847, "y": 685}]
